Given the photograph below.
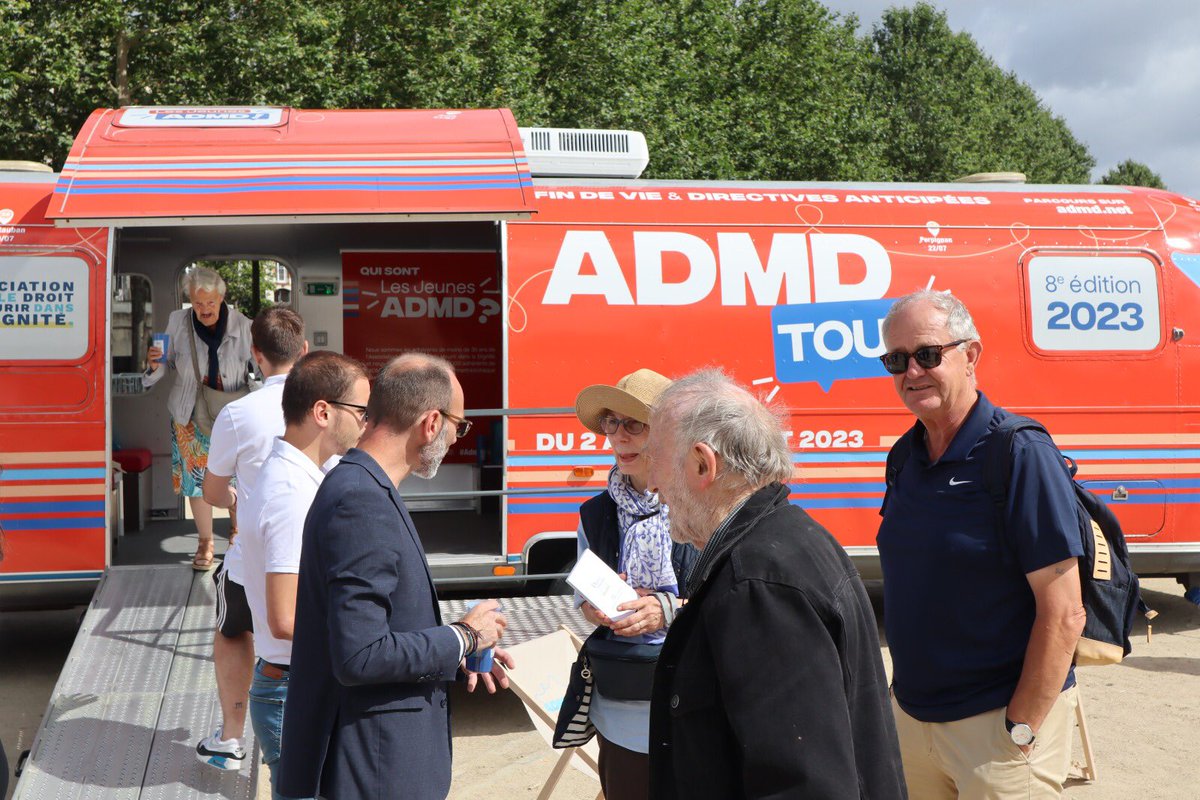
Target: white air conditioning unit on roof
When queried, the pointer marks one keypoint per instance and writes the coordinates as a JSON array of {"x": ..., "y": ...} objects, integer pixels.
[{"x": 582, "y": 153}]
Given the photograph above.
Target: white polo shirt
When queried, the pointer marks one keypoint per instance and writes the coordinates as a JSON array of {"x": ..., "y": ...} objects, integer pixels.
[
  {"x": 241, "y": 441},
  {"x": 271, "y": 535}
]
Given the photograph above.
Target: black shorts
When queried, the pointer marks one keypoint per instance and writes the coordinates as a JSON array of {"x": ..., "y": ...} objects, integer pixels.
[{"x": 233, "y": 612}]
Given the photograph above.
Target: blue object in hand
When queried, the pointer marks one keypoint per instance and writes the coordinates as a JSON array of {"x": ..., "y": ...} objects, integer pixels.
[{"x": 481, "y": 660}]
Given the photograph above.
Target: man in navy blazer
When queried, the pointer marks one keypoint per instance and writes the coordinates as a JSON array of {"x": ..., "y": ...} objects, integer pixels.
[{"x": 367, "y": 713}]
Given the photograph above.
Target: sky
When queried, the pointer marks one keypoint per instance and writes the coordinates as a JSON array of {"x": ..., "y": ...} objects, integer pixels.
[{"x": 1124, "y": 75}]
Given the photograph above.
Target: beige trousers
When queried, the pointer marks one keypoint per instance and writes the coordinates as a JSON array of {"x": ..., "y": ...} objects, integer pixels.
[{"x": 975, "y": 758}]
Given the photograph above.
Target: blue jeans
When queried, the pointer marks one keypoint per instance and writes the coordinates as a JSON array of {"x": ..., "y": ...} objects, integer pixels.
[{"x": 267, "y": 696}]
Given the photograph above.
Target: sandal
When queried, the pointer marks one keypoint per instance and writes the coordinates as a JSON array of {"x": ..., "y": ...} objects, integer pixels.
[{"x": 202, "y": 563}]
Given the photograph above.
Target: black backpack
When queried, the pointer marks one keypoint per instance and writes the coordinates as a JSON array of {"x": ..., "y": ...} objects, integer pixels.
[{"x": 1111, "y": 593}]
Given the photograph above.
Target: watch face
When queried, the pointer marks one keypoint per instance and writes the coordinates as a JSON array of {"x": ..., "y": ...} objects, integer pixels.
[{"x": 1022, "y": 734}]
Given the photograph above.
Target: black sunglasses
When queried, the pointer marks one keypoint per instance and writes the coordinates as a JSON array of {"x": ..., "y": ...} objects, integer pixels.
[
  {"x": 633, "y": 427},
  {"x": 462, "y": 425},
  {"x": 927, "y": 357},
  {"x": 355, "y": 406}
]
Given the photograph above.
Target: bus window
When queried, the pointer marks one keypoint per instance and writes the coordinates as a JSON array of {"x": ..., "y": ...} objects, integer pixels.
[
  {"x": 251, "y": 284},
  {"x": 43, "y": 308},
  {"x": 132, "y": 323}
]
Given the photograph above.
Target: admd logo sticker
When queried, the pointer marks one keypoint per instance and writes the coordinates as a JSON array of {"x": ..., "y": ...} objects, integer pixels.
[{"x": 827, "y": 342}]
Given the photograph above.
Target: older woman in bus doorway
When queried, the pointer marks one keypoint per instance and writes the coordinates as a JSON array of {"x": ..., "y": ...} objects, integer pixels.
[
  {"x": 629, "y": 529},
  {"x": 209, "y": 345}
]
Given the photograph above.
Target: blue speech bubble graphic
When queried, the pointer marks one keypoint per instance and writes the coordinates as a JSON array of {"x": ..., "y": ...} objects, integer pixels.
[{"x": 827, "y": 342}]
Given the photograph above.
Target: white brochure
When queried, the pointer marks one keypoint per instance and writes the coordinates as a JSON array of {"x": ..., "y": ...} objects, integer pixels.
[{"x": 600, "y": 586}]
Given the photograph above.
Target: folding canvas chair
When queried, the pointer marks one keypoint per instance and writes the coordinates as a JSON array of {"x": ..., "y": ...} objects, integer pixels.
[
  {"x": 540, "y": 680},
  {"x": 1088, "y": 768}
]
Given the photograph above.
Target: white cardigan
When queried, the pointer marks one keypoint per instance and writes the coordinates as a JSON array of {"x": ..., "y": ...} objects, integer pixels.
[{"x": 233, "y": 358}]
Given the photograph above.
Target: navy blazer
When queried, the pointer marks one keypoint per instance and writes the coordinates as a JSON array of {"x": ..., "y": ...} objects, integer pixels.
[{"x": 366, "y": 713}]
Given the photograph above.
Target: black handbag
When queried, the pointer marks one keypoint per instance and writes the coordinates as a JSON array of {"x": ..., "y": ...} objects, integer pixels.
[
  {"x": 622, "y": 670},
  {"x": 574, "y": 726}
]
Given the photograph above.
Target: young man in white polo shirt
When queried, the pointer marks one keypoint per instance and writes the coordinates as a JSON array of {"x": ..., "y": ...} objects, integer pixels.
[
  {"x": 241, "y": 440},
  {"x": 325, "y": 410}
]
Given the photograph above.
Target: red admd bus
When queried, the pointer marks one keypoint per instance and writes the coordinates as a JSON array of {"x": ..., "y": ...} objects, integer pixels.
[{"x": 499, "y": 248}]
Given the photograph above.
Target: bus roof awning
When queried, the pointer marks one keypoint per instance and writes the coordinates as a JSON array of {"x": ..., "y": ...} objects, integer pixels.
[{"x": 142, "y": 166}]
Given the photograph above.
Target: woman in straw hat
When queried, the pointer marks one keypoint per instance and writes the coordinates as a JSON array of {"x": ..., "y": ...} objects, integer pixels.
[{"x": 628, "y": 528}]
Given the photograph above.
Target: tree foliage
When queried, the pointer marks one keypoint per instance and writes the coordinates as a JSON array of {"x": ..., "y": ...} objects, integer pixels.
[
  {"x": 1133, "y": 173},
  {"x": 952, "y": 112},
  {"x": 730, "y": 89}
]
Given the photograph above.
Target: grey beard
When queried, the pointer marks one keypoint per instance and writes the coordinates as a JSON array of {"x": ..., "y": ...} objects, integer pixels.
[{"x": 431, "y": 456}]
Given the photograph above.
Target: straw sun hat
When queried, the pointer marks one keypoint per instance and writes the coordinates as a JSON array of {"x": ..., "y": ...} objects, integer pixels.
[{"x": 632, "y": 396}]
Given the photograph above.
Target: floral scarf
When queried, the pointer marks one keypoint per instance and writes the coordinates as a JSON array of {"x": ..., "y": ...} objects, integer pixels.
[{"x": 645, "y": 534}]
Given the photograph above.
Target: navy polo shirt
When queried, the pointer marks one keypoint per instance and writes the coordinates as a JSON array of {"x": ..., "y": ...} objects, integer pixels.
[{"x": 958, "y": 609}]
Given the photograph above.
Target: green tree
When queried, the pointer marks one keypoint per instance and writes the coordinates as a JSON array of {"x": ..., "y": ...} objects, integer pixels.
[
  {"x": 950, "y": 111},
  {"x": 1132, "y": 173},
  {"x": 239, "y": 282},
  {"x": 723, "y": 89}
]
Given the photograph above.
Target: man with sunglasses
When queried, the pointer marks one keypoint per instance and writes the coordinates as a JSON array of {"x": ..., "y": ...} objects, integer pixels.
[
  {"x": 368, "y": 713},
  {"x": 982, "y": 617}
]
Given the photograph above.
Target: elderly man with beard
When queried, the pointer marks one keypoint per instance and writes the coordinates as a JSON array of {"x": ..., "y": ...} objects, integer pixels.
[
  {"x": 770, "y": 682},
  {"x": 367, "y": 712}
]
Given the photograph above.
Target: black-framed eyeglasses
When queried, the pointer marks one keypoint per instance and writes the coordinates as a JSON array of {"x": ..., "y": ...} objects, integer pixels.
[
  {"x": 462, "y": 425},
  {"x": 633, "y": 427},
  {"x": 927, "y": 357},
  {"x": 361, "y": 409}
]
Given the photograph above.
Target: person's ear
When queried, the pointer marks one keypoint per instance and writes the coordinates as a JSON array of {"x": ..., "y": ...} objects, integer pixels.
[
  {"x": 974, "y": 352},
  {"x": 702, "y": 465},
  {"x": 303, "y": 350},
  {"x": 430, "y": 425},
  {"x": 322, "y": 413}
]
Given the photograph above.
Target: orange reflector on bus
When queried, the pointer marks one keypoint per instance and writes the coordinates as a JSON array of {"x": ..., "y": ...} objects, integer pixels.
[
  {"x": 582, "y": 472},
  {"x": 504, "y": 570}
]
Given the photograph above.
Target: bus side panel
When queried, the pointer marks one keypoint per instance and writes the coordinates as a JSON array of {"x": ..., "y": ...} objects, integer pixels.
[
  {"x": 1076, "y": 324},
  {"x": 54, "y": 462}
]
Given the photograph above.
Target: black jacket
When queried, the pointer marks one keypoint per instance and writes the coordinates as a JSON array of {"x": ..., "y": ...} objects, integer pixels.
[{"x": 770, "y": 683}]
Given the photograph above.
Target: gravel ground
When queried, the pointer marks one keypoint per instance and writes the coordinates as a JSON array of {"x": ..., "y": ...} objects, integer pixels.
[{"x": 1143, "y": 717}]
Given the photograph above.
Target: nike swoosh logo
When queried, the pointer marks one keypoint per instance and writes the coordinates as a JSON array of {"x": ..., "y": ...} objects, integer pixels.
[{"x": 957, "y": 483}]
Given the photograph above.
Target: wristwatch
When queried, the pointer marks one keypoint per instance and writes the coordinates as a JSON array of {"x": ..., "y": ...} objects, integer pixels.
[{"x": 1022, "y": 734}]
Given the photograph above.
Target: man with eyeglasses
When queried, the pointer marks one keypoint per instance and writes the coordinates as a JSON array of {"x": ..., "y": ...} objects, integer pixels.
[
  {"x": 982, "y": 616},
  {"x": 317, "y": 429},
  {"x": 368, "y": 713}
]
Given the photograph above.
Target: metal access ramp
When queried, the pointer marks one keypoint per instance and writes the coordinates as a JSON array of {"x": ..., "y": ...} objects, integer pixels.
[
  {"x": 135, "y": 695},
  {"x": 137, "y": 691}
]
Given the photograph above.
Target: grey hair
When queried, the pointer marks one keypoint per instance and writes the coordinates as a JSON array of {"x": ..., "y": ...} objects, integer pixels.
[
  {"x": 710, "y": 408},
  {"x": 203, "y": 279},
  {"x": 958, "y": 319},
  {"x": 409, "y": 386}
]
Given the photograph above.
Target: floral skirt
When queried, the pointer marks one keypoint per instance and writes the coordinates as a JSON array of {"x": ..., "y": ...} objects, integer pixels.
[{"x": 189, "y": 459}]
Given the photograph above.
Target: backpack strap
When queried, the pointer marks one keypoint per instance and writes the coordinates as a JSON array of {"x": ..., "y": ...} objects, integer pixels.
[
  {"x": 997, "y": 472},
  {"x": 896, "y": 459}
]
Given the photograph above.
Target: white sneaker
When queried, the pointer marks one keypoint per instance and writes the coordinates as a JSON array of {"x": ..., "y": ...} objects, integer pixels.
[{"x": 221, "y": 753}]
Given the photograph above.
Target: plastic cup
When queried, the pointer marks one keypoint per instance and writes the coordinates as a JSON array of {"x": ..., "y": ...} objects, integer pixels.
[
  {"x": 161, "y": 340},
  {"x": 481, "y": 661}
]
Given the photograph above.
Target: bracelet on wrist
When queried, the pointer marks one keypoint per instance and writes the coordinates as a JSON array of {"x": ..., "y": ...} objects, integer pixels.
[{"x": 472, "y": 636}]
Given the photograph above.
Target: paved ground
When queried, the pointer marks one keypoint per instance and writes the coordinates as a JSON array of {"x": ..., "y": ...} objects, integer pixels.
[{"x": 1144, "y": 714}]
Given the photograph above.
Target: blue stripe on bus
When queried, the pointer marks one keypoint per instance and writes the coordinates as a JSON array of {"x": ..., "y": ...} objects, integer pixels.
[
  {"x": 34, "y": 577},
  {"x": 858, "y": 502},
  {"x": 448, "y": 187},
  {"x": 398, "y": 161},
  {"x": 52, "y": 474},
  {"x": 36, "y": 507},
  {"x": 54, "y": 523}
]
